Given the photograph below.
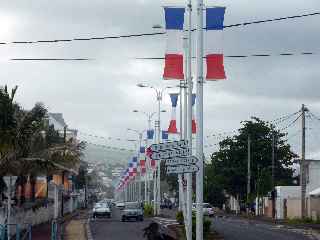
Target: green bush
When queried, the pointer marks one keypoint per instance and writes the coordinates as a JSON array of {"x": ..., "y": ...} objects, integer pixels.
[
  {"x": 179, "y": 217},
  {"x": 206, "y": 226},
  {"x": 148, "y": 210}
]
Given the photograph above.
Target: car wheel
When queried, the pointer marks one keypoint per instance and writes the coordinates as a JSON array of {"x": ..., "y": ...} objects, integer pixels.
[
  {"x": 141, "y": 219},
  {"x": 123, "y": 219}
]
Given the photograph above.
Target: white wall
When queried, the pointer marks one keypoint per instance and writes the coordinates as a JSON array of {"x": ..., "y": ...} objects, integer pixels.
[
  {"x": 285, "y": 192},
  {"x": 314, "y": 176}
]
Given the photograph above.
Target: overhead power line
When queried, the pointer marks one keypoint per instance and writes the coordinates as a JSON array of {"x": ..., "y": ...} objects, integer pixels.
[
  {"x": 51, "y": 59},
  {"x": 244, "y": 56},
  {"x": 155, "y": 33},
  {"x": 290, "y": 124}
]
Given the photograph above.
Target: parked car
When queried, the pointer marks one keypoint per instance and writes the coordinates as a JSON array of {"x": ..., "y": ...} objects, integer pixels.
[
  {"x": 120, "y": 205},
  {"x": 166, "y": 204},
  {"x": 207, "y": 209},
  {"x": 101, "y": 210},
  {"x": 132, "y": 210}
]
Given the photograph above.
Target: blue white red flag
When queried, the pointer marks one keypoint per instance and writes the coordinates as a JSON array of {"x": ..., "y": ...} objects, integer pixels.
[
  {"x": 173, "y": 122},
  {"x": 174, "y": 17},
  {"x": 150, "y": 134},
  {"x": 213, "y": 42},
  {"x": 194, "y": 125}
]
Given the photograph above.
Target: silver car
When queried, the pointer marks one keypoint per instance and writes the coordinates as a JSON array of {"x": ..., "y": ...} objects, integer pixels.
[
  {"x": 101, "y": 210},
  {"x": 132, "y": 210}
]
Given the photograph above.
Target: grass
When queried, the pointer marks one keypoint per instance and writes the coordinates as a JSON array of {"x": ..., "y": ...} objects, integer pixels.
[{"x": 295, "y": 221}]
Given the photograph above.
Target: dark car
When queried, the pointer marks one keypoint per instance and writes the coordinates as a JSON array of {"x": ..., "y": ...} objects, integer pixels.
[
  {"x": 166, "y": 204},
  {"x": 132, "y": 211}
]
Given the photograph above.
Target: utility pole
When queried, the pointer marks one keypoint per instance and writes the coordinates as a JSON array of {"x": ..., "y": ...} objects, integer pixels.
[
  {"x": 303, "y": 182},
  {"x": 273, "y": 174},
  {"x": 249, "y": 173}
]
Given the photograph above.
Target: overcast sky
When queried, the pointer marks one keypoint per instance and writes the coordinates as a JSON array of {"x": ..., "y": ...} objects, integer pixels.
[{"x": 98, "y": 96}]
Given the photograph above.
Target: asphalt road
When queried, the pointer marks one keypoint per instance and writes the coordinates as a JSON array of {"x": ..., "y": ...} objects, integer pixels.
[
  {"x": 241, "y": 229},
  {"x": 114, "y": 229}
]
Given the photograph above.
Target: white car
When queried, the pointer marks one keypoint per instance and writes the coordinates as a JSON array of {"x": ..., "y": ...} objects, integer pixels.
[
  {"x": 101, "y": 210},
  {"x": 207, "y": 209}
]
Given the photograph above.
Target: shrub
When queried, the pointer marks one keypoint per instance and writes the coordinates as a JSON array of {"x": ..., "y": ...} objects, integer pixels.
[
  {"x": 179, "y": 217},
  {"x": 206, "y": 226},
  {"x": 148, "y": 210}
]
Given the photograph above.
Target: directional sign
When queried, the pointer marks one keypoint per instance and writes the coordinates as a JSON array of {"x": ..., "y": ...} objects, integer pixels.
[
  {"x": 181, "y": 161},
  {"x": 182, "y": 169},
  {"x": 170, "y": 154},
  {"x": 183, "y": 144}
]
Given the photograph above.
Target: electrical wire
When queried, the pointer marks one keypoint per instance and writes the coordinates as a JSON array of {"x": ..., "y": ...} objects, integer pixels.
[
  {"x": 283, "y": 118},
  {"x": 108, "y": 147},
  {"x": 157, "y": 33},
  {"x": 290, "y": 124}
]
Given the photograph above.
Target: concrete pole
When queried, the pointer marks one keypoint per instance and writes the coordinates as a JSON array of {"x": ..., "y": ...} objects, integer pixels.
[
  {"x": 9, "y": 209},
  {"x": 159, "y": 98},
  {"x": 273, "y": 175},
  {"x": 302, "y": 164},
  {"x": 155, "y": 180},
  {"x": 199, "y": 109},
  {"x": 189, "y": 124},
  {"x": 140, "y": 182},
  {"x": 249, "y": 173}
]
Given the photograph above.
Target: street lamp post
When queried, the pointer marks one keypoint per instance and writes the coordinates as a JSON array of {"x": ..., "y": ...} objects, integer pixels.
[
  {"x": 159, "y": 95},
  {"x": 140, "y": 134},
  {"x": 148, "y": 165}
]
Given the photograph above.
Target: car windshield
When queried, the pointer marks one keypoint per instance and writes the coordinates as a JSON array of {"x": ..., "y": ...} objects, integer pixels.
[
  {"x": 132, "y": 206},
  {"x": 100, "y": 205}
]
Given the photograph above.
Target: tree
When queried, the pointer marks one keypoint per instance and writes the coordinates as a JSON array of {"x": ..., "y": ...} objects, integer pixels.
[{"x": 228, "y": 168}]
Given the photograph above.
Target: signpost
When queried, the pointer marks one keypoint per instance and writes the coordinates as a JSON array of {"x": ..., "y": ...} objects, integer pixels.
[
  {"x": 181, "y": 169},
  {"x": 167, "y": 154},
  {"x": 183, "y": 144},
  {"x": 181, "y": 161}
]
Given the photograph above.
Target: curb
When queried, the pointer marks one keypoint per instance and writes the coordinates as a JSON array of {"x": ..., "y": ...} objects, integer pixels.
[{"x": 89, "y": 234}]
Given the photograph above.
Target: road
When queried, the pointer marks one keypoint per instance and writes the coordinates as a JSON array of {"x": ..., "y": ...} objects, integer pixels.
[
  {"x": 114, "y": 229},
  {"x": 240, "y": 229}
]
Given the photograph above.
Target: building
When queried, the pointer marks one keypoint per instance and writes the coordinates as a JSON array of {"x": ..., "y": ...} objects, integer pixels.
[{"x": 288, "y": 198}]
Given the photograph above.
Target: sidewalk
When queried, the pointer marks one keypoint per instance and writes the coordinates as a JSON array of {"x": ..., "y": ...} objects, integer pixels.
[{"x": 75, "y": 229}]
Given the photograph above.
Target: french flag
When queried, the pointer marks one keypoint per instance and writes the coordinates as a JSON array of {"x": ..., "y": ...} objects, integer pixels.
[
  {"x": 135, "y": 165},
  {"x": 194, "y": 125},
  {"x": 174, "y": 18},
  {"x": 173, "y": 122},
  {"x": 142, "y": 161},
  {"x": 213, "y": 43}
]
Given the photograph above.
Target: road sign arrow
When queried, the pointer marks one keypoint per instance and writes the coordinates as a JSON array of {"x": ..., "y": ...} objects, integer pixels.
[
  {"x": 181, "y": 161},
  {"x": 183, "y": 144},
  {"x": 182, "y": 169},
  {"x": 170, "y": 154}
]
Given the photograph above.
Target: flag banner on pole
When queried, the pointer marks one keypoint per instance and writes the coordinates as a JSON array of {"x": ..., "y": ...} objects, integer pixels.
[
  {"x": 142, "y": 160},
  {"x": 213, "y": 43},
  {"x": 131, "y": 172},
  {"x": 150, "y": 134},
  {"x": 135, "y": 165},
  {"x": 194, "y": 125},
  {"x": 174, "y": 18},
  {"x": 173, "y": 122},
  {"x": 165, "y": 135}
]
